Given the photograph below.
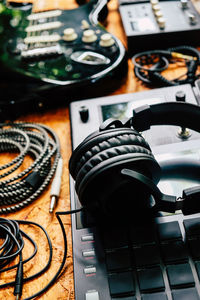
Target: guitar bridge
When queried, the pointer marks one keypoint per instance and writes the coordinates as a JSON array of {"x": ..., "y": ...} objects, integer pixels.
[{"x": 42, "y": 51}]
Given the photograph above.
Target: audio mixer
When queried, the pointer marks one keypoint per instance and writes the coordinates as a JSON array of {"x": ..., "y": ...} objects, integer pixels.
[
  {"x": 159, "y": 24},
  {"x": 157, "y": 259}
]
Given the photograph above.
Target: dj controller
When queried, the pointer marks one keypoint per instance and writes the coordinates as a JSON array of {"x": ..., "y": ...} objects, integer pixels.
[{"x": 157, "y": 258}]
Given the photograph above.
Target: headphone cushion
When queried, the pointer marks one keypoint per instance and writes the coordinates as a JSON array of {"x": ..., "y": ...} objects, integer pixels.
[
  {"x": 112, "y": 143},
  {"x": 120, "y": 145}
]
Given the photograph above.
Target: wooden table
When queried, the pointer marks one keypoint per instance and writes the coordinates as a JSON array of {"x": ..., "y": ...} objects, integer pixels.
[{"x": 38, "y": 211}]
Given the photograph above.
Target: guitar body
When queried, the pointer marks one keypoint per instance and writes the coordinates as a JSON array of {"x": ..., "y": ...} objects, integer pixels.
[{"x": 59, "y": 48}]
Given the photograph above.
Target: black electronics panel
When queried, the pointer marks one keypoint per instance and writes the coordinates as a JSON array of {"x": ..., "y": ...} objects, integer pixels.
[
  {"x": 159, "y": 24},
  {"x": 157, "y": 259}
]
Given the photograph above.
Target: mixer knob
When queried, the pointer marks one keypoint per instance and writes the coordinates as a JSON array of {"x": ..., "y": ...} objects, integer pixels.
[
  {"x": 161, "y": 22},
  {"x": 183, "y": 133},
  {"x": 192, "y": 19},
  {"x": 154, "y": 2},
  {"x": 106, "y": 40},
  {"x": 156, "y": 8},
  {"x": 184, "y": 4},
  {"x": 180, "y": 96},
  {"x": 158, "y": 14},
  {"x": 69, "y": 35},
  {"x": 84, "y": 113}
]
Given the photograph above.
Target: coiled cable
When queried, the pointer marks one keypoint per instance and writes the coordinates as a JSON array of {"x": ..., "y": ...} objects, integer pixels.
[
  {"x": 42, "y": 145},
  {"x": 13, "y": 243},
  {"x": 148, "y": 65}
]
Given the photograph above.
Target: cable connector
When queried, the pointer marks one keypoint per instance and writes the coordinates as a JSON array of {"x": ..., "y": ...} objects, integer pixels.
[
  {"x": 34, "y": 179},
  {"x": 183, "y": 56},
  {"x": 19, "y": 281},
  {"x": 56, "y": 184}
]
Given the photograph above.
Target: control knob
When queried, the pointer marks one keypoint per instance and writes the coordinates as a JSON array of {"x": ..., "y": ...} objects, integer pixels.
[
  {"x": 183, "y": 133},
  {"x": 184, "y": 4},
  {"x": 84, "y": 113},
  {"x": 70, "y": 35},
  {"x": 180, "y": 96},
  {"x": 89, "y": 36},
  {"x": 106, "y": 40}
]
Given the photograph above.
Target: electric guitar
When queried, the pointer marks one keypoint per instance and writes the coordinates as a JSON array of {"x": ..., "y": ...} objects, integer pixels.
[{"x": 58, "y": 49}]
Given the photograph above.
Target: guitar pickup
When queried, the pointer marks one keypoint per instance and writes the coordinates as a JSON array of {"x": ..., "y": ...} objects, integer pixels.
[
  {"x": 42, "y": 51},
  {"x": 53, "y": 38},
  {"x": 45, "y": 26},
  {"x": 44, "y": 15}
]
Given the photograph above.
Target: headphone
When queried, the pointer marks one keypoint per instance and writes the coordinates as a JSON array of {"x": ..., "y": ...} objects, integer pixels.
[{"x": 115, "y": 171}]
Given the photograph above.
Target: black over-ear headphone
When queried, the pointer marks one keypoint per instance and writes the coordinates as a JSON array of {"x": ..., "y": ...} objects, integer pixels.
[{"x": 114, "y": 167}]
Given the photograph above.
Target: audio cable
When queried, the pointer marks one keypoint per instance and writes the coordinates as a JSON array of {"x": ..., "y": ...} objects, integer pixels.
[
  {"x": 41, "y": 144},
  {"x": 149, "y": 65},
  {"x": 13, "y": 244}
]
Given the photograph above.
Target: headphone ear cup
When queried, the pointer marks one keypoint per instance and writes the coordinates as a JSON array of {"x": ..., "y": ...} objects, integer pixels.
[
  {"x": 97, "y": 163},
  {"x": 102, "y": 140}
]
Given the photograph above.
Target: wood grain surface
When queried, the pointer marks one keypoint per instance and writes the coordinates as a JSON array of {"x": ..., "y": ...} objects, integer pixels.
[{"x": 38, "y": 211}]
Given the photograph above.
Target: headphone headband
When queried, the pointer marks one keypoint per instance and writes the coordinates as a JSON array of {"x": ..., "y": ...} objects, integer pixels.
[
  {"x": 109, "y": 163},
  {"x": 169, "y": 113}
]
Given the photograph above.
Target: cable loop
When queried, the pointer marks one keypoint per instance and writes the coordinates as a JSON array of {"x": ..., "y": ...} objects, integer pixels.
[
  {"x": 41, "y": 144},
  {"x": 149, "y": 65}
]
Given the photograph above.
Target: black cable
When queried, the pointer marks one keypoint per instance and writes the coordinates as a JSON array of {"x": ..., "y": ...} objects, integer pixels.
[
  {"x": 13, "y": 236},
  {"x": 13, "y": 240},
  {"x": 149, "y": 65}
]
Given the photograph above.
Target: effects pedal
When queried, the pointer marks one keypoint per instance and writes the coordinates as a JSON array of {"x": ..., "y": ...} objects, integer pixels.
[{"x": 159, "y": 24}]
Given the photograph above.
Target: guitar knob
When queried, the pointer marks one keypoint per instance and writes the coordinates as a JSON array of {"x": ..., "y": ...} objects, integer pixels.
[
  {"x": 85, "y": 25},
  {"x": 106, "y": 40},
  {"x": 69, "y": 34},
  {"x": 89, "y": 36}
]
